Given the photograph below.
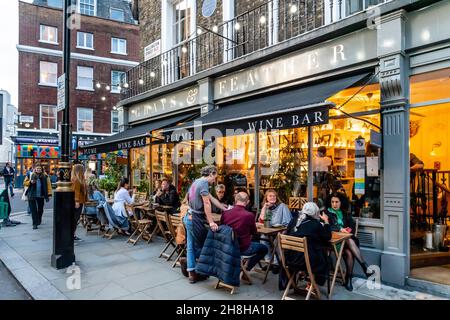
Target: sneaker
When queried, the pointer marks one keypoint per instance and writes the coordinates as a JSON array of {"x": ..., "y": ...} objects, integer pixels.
[
  {"x": 34, "y": 227},
  {"x": 77, "y": 239}
]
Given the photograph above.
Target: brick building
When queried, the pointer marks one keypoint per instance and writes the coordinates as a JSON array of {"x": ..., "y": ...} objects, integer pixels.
[{"x": 104, "y": 47}]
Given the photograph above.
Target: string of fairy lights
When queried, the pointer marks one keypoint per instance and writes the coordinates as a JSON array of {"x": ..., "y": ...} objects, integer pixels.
[{"x": 293, "y": 8}]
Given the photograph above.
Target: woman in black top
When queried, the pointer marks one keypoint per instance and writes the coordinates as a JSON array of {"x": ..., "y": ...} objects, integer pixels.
[
  {"x": 342, "y": 221},
  {"x": 308, "y": 225}
]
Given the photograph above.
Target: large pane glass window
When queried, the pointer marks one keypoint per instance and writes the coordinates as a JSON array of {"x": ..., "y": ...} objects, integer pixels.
[
  {"x": 55, "y": 3},
  {"x": 48, "y": 117},
  {"x": 118, "y": 46},
  {"x": 117, "y": 14},
  {"x": 85, "y": 40},
  {"x": 114, "y": 121},
  {"x": 85, "y": 77},
  {"x": 48, "y": 74},
  {"x": 49, "y": 34},
  {"x": 182, "y": 14},
  {"x": 87, "y": 7},
  {"x": 117, "y": 77},
  {"x": 85, "y": 119}
]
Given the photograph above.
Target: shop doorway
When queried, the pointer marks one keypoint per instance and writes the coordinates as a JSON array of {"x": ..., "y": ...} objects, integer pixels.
[{"x": 430, "y": 177}]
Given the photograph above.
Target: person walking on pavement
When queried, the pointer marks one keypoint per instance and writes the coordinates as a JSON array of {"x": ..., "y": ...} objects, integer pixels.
[
  {"x": 8, "y": 175},
  {"x": 39, "y": 189}
]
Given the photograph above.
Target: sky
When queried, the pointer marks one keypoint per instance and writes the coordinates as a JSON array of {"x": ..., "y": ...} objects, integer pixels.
[{"x": 9, "y": 35}]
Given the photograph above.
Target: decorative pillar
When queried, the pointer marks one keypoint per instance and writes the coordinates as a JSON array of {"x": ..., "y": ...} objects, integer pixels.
[{"x": 394, "y": 85}]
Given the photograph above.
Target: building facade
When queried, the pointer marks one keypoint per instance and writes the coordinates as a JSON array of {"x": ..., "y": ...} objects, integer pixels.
[
  {"x": 104, "y": 44},
  {"x": 8, "y": 128},
  {"x": 257, "y": 87}
]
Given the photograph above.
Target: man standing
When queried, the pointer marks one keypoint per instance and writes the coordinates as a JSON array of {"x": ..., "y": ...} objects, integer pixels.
[
  {"x": 168, "y": 196},
  {"x": 244, "y": 225},
  {"x": 8, "y": 175},
  {"x": 197, "y": 219}
]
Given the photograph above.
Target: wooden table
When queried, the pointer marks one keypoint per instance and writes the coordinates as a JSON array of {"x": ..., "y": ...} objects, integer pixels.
[
  {"x": 336, "y": 239},
  {"x": 271, "y": 234}
]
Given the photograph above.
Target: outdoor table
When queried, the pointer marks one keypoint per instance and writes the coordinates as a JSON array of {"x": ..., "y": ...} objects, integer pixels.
[
  {"x": 271, "y": 233},
  {"x": 336, "y": 239}
]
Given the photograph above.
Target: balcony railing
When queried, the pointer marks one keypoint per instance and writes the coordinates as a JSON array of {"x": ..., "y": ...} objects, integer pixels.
[{"x": 264, "y": 26}]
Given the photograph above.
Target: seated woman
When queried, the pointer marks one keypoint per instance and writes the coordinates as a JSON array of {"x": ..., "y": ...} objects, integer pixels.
[
  {"x": 342, "y": 221},
  {"x": 94, "y": 195},
  {"x": 277, "y": 212},
  {"x": 122, "y": 197},
  {"x": 308, "y": 225}
]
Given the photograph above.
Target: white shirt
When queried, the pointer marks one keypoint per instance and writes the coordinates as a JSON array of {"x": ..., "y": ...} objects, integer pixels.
[
  {"x": 321, "y": 164},
  {"x": 120, "y": 198}
]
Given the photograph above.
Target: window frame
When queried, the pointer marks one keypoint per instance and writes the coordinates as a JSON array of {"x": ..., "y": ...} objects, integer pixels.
[
  {"x": 113, "y": 86},
  {"x": 79, "y": 8},
  {"x": 116, "y": 9},
  {"x": 85, "y": 120},
  {"x": 112, "y": 121},
  {"x": 78, "y": 77},
  {"x": 56, "y": 117},
  {"x": 84, "y": 38},
  {"x": 48, "y": 84},
  {"x": 41, "y": 26},
  {"x": 118, "y": 52}
]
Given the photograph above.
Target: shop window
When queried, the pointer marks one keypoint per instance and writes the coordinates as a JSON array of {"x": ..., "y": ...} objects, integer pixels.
[
  {"x": 140, "y": 169},
  {"x": 48, "y": 117},
  {"x": 118, "y": 46},
  {"x": 85, "y": 78},
  {"x": 430, "y": 87},
  {"x": 48, "y": 73},
  {"x": 85, "y": 119},
  {"x": 85, "y": 40},
  {"x": 49, "y": 34}
]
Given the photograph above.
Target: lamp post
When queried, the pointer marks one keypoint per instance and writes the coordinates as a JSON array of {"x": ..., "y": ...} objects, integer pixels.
[{"x": 63, "y": 201}]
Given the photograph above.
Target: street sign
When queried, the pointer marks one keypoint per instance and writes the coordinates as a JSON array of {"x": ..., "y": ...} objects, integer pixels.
[
  {"x": 61, "y": 93},
  {"x": 26, "y": 119}
]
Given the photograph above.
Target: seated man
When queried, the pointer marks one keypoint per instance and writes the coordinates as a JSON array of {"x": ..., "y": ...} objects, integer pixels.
[
  {"x": 168, "y": 196},
  {"x": 243, "y": 223}
]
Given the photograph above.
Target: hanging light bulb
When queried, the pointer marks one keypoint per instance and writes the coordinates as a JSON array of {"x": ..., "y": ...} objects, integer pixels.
[
  {"x": 293, "y": 8},
  {"x": 152, "y": 74},
  {"x": 215, "y": 28},
  {"x": 141, "y": 81},
  {"x": 98, "y": 85},
  {"x": 103, "y": 98},
  {"x": 125, "y": 85},
  {"x": 237, "y": 26},
  {"x": 184, "y": 49},
  {"x": 262, "y": 20},
  {"x": 108, "y": 88},
  {"x": 199, "y": 31}
]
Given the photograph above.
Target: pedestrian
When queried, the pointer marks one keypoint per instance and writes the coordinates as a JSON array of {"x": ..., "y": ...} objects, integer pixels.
[
  {"x": 27, "y": 175},
  {"x": 199, "y": 215},
  {"x": 8, "y": 175},
  {"x": 39, "y": 189},
  {"x": 80, "y": 188}
]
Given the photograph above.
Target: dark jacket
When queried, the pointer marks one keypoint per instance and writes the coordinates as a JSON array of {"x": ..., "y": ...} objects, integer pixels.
[
  {"x": 169, "y": 198},
  {"x": 45, "y": 186},
  {"x": 8, "y": 176},
  {"x": 318, "y": 237},
  {"x": 220, "y": 256}
]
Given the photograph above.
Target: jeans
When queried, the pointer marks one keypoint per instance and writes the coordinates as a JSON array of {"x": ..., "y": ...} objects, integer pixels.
[
  {"x": 192, "y": 253},
  {"x": 37, "y": 209},
  {"x": 258, "y": 250},
  {"x": 9, "y": 183},
  {"x": 77, "y": 216}
]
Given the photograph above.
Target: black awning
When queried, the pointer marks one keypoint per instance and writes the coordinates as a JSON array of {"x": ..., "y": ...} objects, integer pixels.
[
  {"x": 300, "y": 107},
  {"x": 133, "y": 137}
]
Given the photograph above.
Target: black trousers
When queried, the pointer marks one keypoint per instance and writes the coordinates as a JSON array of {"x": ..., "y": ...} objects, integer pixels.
[
  {"x": 77, "y": 216},
  {"x": 37, "y": 210}
]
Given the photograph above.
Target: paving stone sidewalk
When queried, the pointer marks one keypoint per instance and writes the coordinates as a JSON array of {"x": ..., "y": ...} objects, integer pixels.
[{"x": 113, "y": 269}]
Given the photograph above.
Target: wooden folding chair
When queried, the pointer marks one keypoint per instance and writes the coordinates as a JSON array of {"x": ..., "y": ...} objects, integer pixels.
[
  {"x": 162, "y": 220},
  {"x": 140, "y": 226},
  {"x": 243, "y": 276},
  {"x": 174, "y": 223},
  {"x": 298, "y": 244},
  {"x": 90, "y": 223}
]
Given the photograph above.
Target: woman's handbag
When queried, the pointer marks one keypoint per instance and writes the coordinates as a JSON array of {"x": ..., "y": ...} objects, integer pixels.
[{"x": 24, "y": 194}]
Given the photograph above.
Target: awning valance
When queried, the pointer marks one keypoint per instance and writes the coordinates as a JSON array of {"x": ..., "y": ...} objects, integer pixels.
[
  {"x": 133, "y": 137},
  {"x": 300, "y": 107}
]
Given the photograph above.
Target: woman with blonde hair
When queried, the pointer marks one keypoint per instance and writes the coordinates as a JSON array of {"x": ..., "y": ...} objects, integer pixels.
[
  {"x": 274, "y": 210},
  {"x": 79, "y": 186}
]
